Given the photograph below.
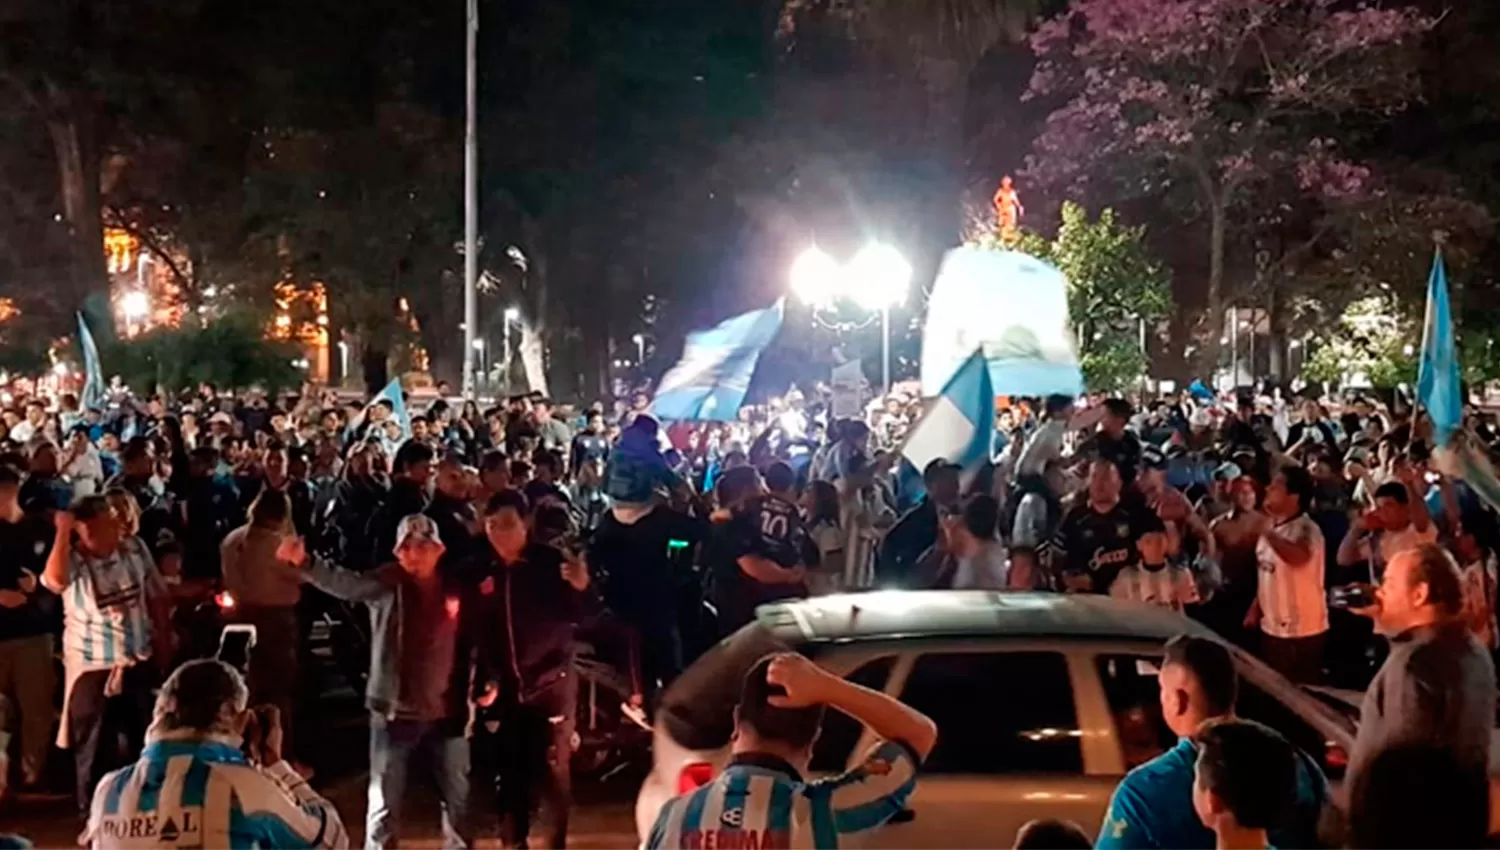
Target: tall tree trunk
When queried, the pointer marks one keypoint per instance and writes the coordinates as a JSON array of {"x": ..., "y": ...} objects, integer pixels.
[
  {"x": 1214, "y": 326},
  {"x": 1275, "y": 341},
  {"x": 534, "y": 358},
  {"x": 374, "y": 360},
  {"x": 78, "y": 181}
]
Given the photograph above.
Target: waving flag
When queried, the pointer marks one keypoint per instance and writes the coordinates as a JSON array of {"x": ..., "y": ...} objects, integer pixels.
[
  {"x": 958, "y": 427},
  {"x": 709, "y": 383},
  {"x": 93, "y": 375},
  {"x": 392, "y": 393},
  {"x": 1438, "y": 382}
]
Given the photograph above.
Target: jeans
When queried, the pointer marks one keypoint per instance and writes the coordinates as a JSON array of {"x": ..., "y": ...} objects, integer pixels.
[
  {"x": 96, "y": 722},
  {"x": 274, "y": 665},
  {"x": 534, "y": 751},
  {"x": 27, "y": 682},
  {"x": 392, "y": 745}
]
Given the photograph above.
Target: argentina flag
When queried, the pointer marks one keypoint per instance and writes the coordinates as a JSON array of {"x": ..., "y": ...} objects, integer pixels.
[
  {"x": 93, "y": 375},
  {"x": 1438, "y": 381},
  {"x": 392, "y": 393},
  {"x": 709, "y": 383},
  {"x": 958, "y": 427}
]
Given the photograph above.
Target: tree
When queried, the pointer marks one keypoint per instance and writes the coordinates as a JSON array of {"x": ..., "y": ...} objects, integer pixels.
[
  {"x": 1198, "y": 101},
  {"x": 1116, "y": 292},
  {"x": 1371, "y": 341},
  {"x": 231, "y": 352}
]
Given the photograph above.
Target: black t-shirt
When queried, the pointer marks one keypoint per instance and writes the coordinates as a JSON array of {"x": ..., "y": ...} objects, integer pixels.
[
  {"x": 1097, "y": 545},
  {"x": 771, "y": 527},
  {"x": 1124, "y": 451},
  {"x": 735, "y": 594},
  {"x": 587, "y": 447},
  {"x": 642, "y": 564},
  {"x": 24, "y": 546}
]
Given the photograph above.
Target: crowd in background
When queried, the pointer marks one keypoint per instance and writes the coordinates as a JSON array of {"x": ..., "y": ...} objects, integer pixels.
[{"x": 1280, "y": 524}]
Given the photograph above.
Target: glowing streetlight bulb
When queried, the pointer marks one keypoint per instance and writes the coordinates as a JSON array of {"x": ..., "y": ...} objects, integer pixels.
[
  {"x": 878, "y": 277},
  {"x": 512, "y": 314},
  {"x": 136, "y": 305},
  {"x": 478, "y": 345},
  {"x": 816, "y": 277}
]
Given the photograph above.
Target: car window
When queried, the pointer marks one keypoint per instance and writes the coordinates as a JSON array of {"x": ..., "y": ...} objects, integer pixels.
[
  {"x": 841, "y": 732},
  {"x": 997, "y": 712},
  {"x": 1256, "y": 704},
  {"x": 698, "y": 708},
  {"x": 1130, "y": 686}
]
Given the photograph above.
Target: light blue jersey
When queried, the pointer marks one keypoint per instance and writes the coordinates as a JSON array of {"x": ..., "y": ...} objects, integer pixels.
[
  {"x": 203, "y": 794},
  {"x": 760, "y": 802}
]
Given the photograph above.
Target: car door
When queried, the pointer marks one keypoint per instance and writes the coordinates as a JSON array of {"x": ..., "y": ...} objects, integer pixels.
[{"x": 1010, "y": 747}]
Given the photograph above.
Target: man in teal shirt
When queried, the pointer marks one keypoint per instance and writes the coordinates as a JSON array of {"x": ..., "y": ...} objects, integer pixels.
[{"x": 1153, "y": 805}]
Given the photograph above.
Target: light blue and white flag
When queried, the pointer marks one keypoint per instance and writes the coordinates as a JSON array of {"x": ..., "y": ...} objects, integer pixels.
[
  {"x": 1438, "y": 388},
  {"x": 958, "y": 426},
  {"x": 392, "y": 394},
  {"x": 1013, "y": 306},
  {"x": 93, "y": 395},
  {"x": 709, "y": 383}
]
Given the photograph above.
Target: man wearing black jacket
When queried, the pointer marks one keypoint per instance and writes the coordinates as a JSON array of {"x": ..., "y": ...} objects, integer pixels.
[
  {"x": 917, "y": 530},
  {"x": 411, "y": 474},
  {"x": 532, "y": 598}
]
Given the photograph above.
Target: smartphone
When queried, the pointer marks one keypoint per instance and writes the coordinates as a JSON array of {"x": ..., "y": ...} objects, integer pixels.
[
  {"x": 1358, "y": 595},
  {"x": 235, "y": 643}
]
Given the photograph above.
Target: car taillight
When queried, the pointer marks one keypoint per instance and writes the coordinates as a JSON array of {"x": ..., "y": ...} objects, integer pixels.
[{"x": 694, "y": 776}]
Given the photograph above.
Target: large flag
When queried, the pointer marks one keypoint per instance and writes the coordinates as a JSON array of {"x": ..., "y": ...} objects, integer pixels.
[
  {"x": 93, "y": 395},
  {"x": 1015, "y": 308},
  {"x": 392, "y": 394},
  {"x": 958, "y": 427},
  {"x": 709, "y": 383},
  {"x": 1438, "y": 382}
]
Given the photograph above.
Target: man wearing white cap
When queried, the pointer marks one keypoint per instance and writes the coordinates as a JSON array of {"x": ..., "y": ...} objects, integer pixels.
[{"x": 421, "y": 663}]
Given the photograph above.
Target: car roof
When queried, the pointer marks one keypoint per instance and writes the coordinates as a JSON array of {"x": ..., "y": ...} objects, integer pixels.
[{"x": 952, "y": 613}]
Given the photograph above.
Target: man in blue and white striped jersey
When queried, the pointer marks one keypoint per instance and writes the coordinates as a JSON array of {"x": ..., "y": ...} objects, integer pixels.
[
  {"x": 761, "y": 799},
  {"x": 193, "y": 787}
]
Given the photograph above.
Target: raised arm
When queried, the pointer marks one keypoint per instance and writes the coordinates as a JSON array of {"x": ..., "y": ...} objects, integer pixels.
[{"x": 55, "y": 576}]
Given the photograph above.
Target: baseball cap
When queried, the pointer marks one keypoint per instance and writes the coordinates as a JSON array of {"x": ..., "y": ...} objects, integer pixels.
[
  {"x": 419, "y": 526},
  {"x": 1152, "y": 458}
]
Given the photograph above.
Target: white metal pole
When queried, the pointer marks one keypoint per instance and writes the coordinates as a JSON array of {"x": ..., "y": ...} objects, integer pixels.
[
  {"x": 505, "y": 361},
  {"x": 885, "y": 349},
  {"x": 471, "y": 203}
]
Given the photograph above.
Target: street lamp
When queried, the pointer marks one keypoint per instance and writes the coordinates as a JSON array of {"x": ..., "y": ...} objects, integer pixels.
[
  {"x": 877, "y": 278},
  {"x": 136, "y": 306},
  {"x": 484, "y": 366}
]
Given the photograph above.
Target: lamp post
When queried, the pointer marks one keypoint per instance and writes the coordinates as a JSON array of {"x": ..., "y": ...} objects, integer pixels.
[
  {"x": 471, "y": 199},
  {"x": 876, "y": 278},
  {"x": 640, "y": 348},
  {"x": 484, "y": 366}
]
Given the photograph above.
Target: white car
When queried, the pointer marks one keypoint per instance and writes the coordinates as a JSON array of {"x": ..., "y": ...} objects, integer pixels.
[{"x": 1042, "y": 701}]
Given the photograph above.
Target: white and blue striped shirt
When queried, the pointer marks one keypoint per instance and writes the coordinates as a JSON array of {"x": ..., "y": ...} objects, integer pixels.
[
  {"x": 202, "y": 793},
  {"x": 106, "y": 622},
  {"x": 761, "y": 802}
]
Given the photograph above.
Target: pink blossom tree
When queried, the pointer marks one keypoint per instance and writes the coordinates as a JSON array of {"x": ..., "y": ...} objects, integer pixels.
[{"x": 1208, "y": 101}]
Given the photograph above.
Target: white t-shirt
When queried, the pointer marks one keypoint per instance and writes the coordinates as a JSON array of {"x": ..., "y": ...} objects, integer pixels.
[
  {"x": 1292, "y": 600},
  {"x": 988, "y": 569},
  {"x": 1170, "y": 587}
]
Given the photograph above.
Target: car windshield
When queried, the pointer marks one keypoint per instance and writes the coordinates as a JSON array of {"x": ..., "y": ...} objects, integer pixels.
[{"x": 698, "y": 709}]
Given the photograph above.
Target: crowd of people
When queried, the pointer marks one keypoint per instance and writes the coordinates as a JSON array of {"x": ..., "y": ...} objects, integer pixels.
[{"x": 482, "y": 541}]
